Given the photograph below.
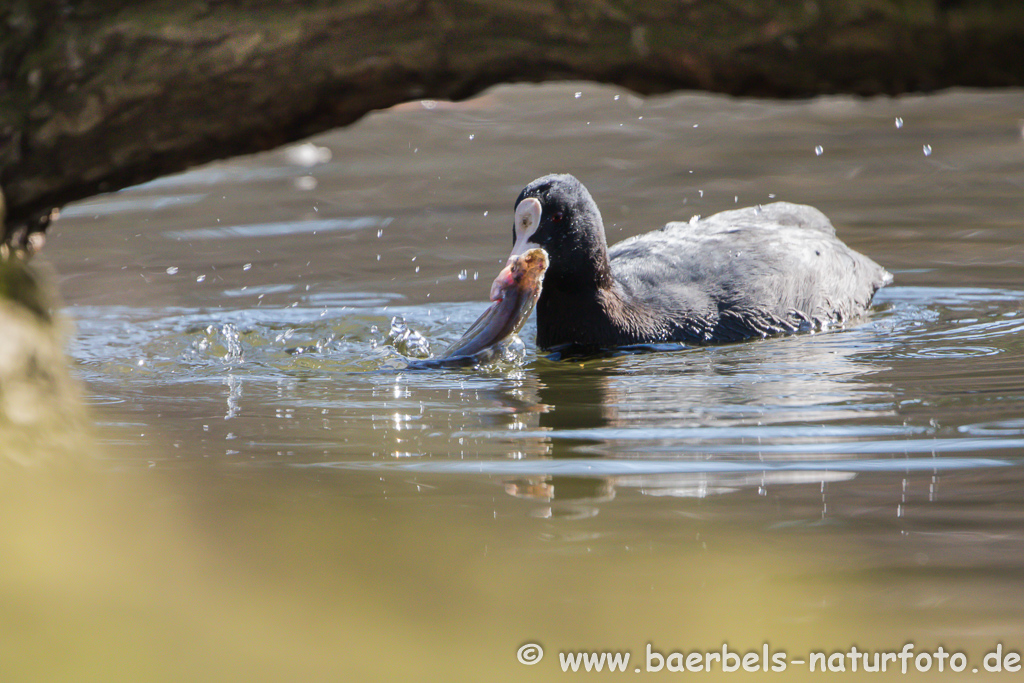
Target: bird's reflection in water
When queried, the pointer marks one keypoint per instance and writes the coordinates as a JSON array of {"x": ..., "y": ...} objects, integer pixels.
[{"x": 609, "y": 408}]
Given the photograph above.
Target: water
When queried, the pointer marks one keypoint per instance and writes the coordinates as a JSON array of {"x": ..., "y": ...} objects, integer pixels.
[{"x": 286, "y": 493}]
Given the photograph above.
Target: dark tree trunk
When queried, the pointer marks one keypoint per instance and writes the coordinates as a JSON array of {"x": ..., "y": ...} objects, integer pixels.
[{"x": 99, "y": 94}]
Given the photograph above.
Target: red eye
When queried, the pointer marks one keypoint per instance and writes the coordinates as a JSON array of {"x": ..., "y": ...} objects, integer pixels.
[{"x": 557, "y": 217}]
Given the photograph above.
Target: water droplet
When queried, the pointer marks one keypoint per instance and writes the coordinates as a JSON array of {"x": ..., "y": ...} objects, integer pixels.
[
  {"x": 736, "y": 199},
  {"x": 407, "y": 341},
  {"x": 927, "y": 149},
  {"x": 417, "y": 269},
  {"x": 247, "y": 266},
  {"x": 229, "y": 333},
  {"x": 463, "y": 274},
  {"x": 172, "y": 270},
  {"x": 486, "y": 212},
  {"x": 472, "y": 135},
  {"x": 696, "y": 125},
  {"x": 701, "y": 192},
  {"x": 899, "y": 121},
  {"x": 476, "y": 274},
  {"x": 578, "y": 95},
  {"x": 616, "y": 98},
  {"x": 200, "y": 278},
  {"x": 819, "y": 150}
]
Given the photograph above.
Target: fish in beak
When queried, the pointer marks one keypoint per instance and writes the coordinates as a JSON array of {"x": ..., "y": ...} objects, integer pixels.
[{"x": 514, "y": 294}]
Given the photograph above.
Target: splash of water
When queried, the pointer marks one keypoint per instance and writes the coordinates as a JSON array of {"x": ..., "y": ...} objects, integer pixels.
[{"x": 406, "y": 340}]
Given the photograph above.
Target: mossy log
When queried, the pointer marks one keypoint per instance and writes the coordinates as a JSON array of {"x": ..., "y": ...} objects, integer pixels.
[{"x": 100, "y": 94}]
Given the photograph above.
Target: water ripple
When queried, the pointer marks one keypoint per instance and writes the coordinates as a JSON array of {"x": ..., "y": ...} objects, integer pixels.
[
  {"x": 707, "y": 433},
  {"x": 952, "y": 352},
  {"x": 279, "y": 229},
  {"x": 600, "y": 467}
]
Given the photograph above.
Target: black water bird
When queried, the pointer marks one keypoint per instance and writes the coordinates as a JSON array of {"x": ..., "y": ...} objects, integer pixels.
[{"x": 748, "y": 273}]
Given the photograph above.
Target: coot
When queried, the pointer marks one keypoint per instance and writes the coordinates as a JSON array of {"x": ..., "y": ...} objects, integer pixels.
[{"x": 753, "y": 272}]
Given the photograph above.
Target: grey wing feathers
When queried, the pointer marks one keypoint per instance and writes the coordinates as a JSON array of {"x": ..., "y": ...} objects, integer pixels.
[{"x": 749, "y": 272}]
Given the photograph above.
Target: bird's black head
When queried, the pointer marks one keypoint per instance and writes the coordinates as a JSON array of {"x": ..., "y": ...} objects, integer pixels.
[{"x": 557, "y": 213}]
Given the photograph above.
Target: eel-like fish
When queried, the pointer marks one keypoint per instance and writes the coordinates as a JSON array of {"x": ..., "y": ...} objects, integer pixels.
[{"x": 514, "y": 293}]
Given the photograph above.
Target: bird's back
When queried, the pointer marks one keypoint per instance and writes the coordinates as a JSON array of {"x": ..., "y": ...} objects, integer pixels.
[{"x": 746, "y": 273}]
